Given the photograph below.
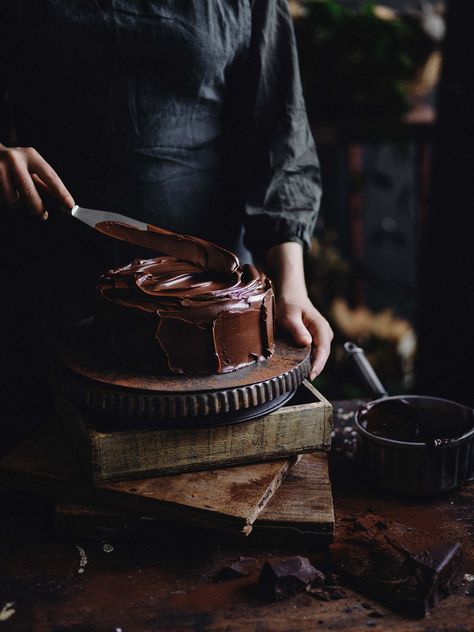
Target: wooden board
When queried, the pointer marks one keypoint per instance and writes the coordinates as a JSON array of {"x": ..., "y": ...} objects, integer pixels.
[
  {"x": 301, "y": 511},
  {"x": 229, "y": 499},
  {"x": 303, "y": 426},
  {"x": 303, "y": 505}
]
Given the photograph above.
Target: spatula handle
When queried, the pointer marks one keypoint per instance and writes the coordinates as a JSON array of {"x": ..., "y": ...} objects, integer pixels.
[{"x": 365, "y": 373}]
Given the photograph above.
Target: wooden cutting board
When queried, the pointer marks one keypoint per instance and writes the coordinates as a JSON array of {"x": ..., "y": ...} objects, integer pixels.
[
  {"x": 227, "y": 499},
  {"x": 301, "y": 511}
]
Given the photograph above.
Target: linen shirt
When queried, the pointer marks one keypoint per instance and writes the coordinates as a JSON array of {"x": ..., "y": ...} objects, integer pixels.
[{"x": 188, "y": 114}]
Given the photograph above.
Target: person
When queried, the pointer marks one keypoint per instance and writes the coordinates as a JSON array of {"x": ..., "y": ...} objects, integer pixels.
[{"x": 188, "y": 115}]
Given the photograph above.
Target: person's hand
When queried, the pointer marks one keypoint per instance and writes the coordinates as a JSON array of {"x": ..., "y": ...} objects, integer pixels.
[
  {"x": 299, "y": 317},
  {"x": 296, "y": 314},
  {"x": 23, "y": 173}
]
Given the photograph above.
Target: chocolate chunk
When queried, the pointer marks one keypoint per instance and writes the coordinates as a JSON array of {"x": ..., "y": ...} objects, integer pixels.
[
  {"x": 470, "y": 590},
  {"x": 396, "y": 564},
  {"x": 243, "y": 567},
  {"x": 284, "y": 578},
  {"x": 327, "y": 593},
  {"x": 319, "y": 593}
]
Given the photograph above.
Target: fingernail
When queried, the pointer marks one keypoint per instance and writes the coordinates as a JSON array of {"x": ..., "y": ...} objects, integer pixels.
[{"x": 44, "y": 217}]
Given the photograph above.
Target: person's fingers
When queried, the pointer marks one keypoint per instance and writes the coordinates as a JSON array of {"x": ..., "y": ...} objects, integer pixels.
[
  {"x": 7, "y": 192},
  {"x": 39, "y": 184},
  {"x": 41, "y": 187},
  {"x": 290, "y": 319},
  {"x": 22, "y": 172},
  {"x": 322, "y": 336},
  {"x": 25, "y": 185},
  {"x": 49, "y": 177}
]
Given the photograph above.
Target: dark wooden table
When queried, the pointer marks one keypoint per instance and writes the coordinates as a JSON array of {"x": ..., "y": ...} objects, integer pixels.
[{"x": 57, "y": 584}]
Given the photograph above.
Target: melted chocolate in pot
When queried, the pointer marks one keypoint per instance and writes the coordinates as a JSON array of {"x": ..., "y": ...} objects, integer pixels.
[{"x": 417, "y": 420}]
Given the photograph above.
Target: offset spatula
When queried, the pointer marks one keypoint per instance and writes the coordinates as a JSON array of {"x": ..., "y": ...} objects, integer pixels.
[
  {"x": 198, "y": 251},
  {"x": 92, "y": 217}
]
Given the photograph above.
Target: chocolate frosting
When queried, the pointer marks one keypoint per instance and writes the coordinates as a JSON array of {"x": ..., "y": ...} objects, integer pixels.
[
  {"x": 185, "y": 247},
  {"x": 165, "y": 314},
  {"x": 193, "y": 309}
]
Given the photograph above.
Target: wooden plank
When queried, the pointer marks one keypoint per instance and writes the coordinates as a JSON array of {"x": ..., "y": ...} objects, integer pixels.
[
  {"x": 304, "y": 426},
  {"x": 229, "y": 499},
  {"x": 303, "y": 505},
  {"x": 300, "y": 511}
]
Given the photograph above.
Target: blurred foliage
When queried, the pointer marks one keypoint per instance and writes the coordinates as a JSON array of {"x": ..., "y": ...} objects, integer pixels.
[
  {"x": 388, "y": 340},
  {"x": 359, "y": 62}
]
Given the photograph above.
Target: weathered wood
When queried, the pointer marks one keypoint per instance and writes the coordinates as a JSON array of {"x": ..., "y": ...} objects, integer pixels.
[
  {"x": 300, "y": 511},
  {"x": 304, "y": 426},
  {"x": 168, "y": 584},
  {"x": 303, "y": 507},
  {"x": 229, "y": 499}
]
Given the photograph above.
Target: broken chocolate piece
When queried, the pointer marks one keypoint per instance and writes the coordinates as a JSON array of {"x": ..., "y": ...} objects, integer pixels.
[
  {"x": 327, "y": 593},
  {"x": 284, "y": 578},
  {"x": 243, "y": 567},
  {"x": 396, "y": 564},
  {"x": 470, "y": 590},
  {"x": 319, "y": 593},
  {"x": 376, "y": 614}
]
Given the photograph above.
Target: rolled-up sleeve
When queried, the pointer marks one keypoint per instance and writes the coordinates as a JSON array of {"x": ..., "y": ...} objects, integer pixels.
[{"x": 282, "y": 177}]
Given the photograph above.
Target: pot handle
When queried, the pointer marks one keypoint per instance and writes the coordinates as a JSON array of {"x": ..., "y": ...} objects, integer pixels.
[{"x": 367, "y": 377}]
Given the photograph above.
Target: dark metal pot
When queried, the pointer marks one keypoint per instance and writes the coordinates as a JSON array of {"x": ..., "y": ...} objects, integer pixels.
[{"x": 411, "y": 444}]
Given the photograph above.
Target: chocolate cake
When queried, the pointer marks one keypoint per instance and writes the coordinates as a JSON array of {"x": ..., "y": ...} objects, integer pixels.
[{"x": 194, "y": 313}]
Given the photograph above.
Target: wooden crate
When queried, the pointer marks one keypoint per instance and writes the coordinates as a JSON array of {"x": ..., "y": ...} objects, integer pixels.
[{"x": 304, "y": 425}]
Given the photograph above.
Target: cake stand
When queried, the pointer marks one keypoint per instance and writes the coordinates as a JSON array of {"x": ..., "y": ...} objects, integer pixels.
[{"x": 91, "y": 378}]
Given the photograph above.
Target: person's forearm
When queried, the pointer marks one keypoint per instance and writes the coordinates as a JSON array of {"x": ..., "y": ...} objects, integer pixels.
[
  {"x": 286, "y": 269},
  {"x": 295, "y": 312}
]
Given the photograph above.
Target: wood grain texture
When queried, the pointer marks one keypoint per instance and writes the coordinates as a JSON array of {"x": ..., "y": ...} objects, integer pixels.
[
  {"x": 229, "y": 499},
  {"x": 301, "y": 510},
  {"x": 302, "y": 506},
  {"x": 294, "y": 429}
]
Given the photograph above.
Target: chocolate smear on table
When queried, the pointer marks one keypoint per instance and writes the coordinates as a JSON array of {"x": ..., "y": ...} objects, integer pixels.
[{"x": 396, "y": 564}]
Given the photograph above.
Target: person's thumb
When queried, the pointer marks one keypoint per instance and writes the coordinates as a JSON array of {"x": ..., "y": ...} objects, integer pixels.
[{"x": 290, "y": 319}]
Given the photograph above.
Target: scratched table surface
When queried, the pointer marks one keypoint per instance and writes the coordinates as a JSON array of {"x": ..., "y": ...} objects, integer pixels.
[{"x": 52, "y": 583}]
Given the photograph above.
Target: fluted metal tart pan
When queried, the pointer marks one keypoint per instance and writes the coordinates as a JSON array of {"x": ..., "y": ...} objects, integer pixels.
[{"x": 91, "y": 378}]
